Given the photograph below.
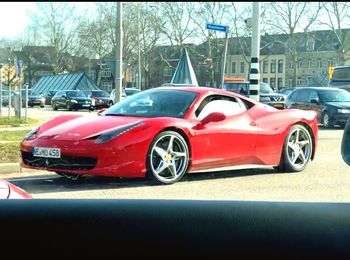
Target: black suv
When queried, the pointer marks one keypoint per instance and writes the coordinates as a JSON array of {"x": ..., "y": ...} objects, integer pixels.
[
  {"x": 71, "y": 99},
  {"x": 341, "y": 78},
  {"x": 267, "y": 95},
  {"x": 332, "y": 105}
]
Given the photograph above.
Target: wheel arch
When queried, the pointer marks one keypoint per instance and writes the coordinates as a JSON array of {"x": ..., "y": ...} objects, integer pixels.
[{"x": 311, "y": 133}]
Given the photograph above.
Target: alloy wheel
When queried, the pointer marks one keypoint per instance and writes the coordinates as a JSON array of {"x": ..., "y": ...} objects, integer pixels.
[{"x": 169, "y": 157}]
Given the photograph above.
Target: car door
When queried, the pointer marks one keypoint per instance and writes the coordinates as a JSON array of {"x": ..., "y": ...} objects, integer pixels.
[
  {"x": 314, "y": 102},
  {"x": 225, "y": 143},
  {"x": 299, "y": 99}
]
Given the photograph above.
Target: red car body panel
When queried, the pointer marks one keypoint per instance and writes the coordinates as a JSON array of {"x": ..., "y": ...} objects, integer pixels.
[
  {"x": 10, "y": 191},
  {"x": 255, "y": 136}
]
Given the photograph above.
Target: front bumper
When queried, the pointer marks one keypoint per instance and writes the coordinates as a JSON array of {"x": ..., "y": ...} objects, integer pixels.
[{"x": 340, "y": 117}]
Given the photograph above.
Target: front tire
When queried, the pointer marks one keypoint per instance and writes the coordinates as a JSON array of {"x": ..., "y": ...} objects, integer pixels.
[
  {"x": 168, "y": 157},
  {"x": 297, "y": 150},
  {"x": 69, "y": 106}
]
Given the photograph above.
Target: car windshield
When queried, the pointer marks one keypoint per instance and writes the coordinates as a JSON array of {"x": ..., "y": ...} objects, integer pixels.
[
  {"x": 130, "y": 92},
  {"x": 334, "y": 96},
  {"x": 76, "y": 94},
  {"x": 99, "y": 94},
  {"x": 154, "y": 103},
  {"x": 265, "y": 88},
  {"x": 240, "y": 88}
]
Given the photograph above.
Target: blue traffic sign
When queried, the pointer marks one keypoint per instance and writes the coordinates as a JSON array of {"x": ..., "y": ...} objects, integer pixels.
[{"x": 217, "y": 27}]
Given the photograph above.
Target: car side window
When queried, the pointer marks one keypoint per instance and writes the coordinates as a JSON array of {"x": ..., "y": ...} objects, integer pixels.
[
  {"x": 229, "y": 106},
  {"x": 313, "y": 96},
  {"x": 303, "y": 96}
]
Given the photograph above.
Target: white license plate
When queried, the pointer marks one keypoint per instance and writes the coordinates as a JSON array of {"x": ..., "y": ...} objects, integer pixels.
[
  {"x": 86, "y": 105},
  {"x": 46, "y": 152}
]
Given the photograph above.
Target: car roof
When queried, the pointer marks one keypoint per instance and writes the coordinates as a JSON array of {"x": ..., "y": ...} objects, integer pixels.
[{"x": 320, "y": 88}]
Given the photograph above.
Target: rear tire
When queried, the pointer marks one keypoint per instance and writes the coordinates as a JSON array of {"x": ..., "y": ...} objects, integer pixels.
[
  {"x": 54, "y": 106},
  {"x": 326, "y": 120},
  {"x": 297, "y": 150},
  {"x": 69, "y": 106}
]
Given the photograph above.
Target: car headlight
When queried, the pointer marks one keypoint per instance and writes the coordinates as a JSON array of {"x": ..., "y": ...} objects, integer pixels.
[
  {"x": 31, "y": 135},
  {"x": 42, "y": 99},
  {"x": 73, "y": 101},
  {"x": 343, "y": 110},
  {"x": 264, "y": 99},
  {"x": 117, "y": 132}
]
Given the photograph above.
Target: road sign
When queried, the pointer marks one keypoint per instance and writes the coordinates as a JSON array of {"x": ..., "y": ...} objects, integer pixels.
[{"x": 217, "y": 27}]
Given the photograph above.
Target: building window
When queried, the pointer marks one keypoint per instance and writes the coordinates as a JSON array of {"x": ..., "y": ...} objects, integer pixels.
[
  {"x": 168, "y": 71},
  {"x": 273, "y": 66},
  {"x": 280, "y": 83},
  {"x": 280, "y": 66},
  {"x": 291, "y": 65},
  {"x": 265, "y": 80},
  {"x": 330, "y": 63},
  {"x": 207, "y": 83},
  {"x": 226, "y": 67},
  {"x": 300, "y": 64},
  {"x": 290, "y": 83},
  {"x": 106, "y": 72},
  {"x": 233, "y": 67},
  {"x": 273, "y": 83},
  {"x": 309, "y": 79},
  {"x": 107, "y": 85},
  {"x": 309, "y": 64},
  {"x": 242, "y": 67},
  {"x": 320, "y": 63},
  {"x": 310, "y": 45},
  {"x": 265, "y": 66},
  {"x": 299, "y": 82}
]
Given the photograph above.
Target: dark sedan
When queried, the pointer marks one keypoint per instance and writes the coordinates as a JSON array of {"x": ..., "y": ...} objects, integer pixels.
[
  {"x": 101, "y": 98},
  {"x": 34, "y": 98},
  {"x": 331, "y": 104},
  {"x": 71, "y": 99}
]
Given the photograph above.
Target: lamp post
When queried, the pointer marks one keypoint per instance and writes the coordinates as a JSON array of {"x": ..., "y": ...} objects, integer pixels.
[{"x": 118, "y": 54}]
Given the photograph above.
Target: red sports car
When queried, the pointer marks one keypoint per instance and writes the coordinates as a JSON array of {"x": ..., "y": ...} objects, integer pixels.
[
  {"x": 167, "y": 131},
  {"x": 10, "y": 191}
]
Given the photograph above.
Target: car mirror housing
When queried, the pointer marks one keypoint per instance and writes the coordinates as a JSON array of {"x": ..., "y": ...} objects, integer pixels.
[
  {"x": 212, "y": 117},
  {"x": 314, "y": 101},
  {"x": 345, "y": 145}
]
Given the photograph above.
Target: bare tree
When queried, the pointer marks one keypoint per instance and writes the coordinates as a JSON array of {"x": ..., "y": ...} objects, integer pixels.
[
  {"x": 337, "y": 14},
  {"x": 57, "y": 25},
  {"x": 289, "y": 17}
]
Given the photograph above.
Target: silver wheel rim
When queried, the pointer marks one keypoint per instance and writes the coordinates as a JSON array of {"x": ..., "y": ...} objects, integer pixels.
[
  {"x": 299, "y": 147},
  {"x": 325, "y": 119},
  {"x": 169, "y": 158}
]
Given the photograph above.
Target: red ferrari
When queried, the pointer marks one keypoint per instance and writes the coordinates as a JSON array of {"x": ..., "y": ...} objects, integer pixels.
[
  {"x": 10, "y": 191},
  {"x": 166, "y": 132}
]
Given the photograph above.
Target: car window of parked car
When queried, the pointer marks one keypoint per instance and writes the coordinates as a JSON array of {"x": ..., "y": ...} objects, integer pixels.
[
  {"x": 336, "y": 95},
  {"x": 313, "y": 96}
]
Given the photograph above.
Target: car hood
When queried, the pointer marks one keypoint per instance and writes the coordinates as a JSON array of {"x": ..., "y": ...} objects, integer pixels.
[
  {"x": 339, "y": 104},
  {"x": 272, "y": 95},
  {"x": 86, "y": 127}
]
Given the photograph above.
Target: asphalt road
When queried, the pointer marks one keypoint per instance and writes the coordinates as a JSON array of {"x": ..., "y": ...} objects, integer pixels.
[{"x": 326, "y": 179}]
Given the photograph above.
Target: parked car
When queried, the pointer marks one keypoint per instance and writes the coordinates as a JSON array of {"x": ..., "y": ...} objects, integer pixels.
[
  {"x": 72, "y": 99},
  {"x": 332, "y": 105},
  {"x": 286, "y": 91},
  {"x": 341, "y": 78},
  {"x": 126, "y": 92},
  {"x": 101, "y": 97},
  {"x": 165, "y": 132},
  {"x": 49, "y": 96},
  {"x": 34, "y": 98},
  {"x": 267, "y": 95},
  {"x": 11, "y": 191}
]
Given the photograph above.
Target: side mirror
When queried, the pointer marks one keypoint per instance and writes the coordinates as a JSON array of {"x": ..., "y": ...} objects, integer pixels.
[
  {"x": 345, "y": 144},
  {"x": 212, "y": 117},
  {"x": 314, "y": 101},
  {"x": 99, "y": 113},
  {"x": 64, "y": 96}
]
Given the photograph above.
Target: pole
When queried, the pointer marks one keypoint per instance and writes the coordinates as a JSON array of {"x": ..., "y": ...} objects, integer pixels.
[
  {"x": 9, "y": 110},
  {"x": 118, "y": 54},
  {"x": 255, "y": 43},
  {"x": 26, "y": 104},
  {"x": 139, "y": 48},
  {"x": 224, "y": 60},
  {"x": 0, "y": 89}
]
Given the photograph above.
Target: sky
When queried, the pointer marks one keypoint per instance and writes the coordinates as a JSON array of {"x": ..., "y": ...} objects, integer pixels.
[{"x": 14, "y": 16}]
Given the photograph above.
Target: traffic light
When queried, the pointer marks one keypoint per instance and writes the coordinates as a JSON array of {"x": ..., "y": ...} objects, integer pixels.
[{"x": 330, "y": 72}]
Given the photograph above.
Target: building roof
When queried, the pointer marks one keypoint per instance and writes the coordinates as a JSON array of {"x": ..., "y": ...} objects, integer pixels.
[
  {"x": 67, "y": 81},
  {"x": 184, "y": 73}
]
